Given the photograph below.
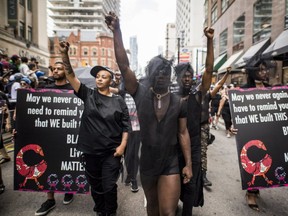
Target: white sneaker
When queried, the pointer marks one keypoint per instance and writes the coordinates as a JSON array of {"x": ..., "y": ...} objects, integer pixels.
[{"x": 228, "y": 135}]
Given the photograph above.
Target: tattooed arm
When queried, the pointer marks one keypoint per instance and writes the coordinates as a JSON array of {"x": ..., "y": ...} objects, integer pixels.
[{"x": 70, "y": 75}]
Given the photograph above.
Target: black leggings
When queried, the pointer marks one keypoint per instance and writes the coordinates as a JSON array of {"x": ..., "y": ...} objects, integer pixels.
[
  {"x": 132, "y": 154},
  {"x": 227, "y": 119}
]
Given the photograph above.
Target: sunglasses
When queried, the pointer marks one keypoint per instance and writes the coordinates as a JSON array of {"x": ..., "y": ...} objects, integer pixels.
[{"x": 23, "y": 83}]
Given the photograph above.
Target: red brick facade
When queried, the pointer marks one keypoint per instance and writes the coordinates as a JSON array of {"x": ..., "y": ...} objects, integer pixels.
[{"x": 86, "y": 53}]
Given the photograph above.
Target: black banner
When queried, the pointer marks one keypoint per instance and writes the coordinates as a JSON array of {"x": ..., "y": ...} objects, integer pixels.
[
  {"x": 46, "y": 158},
  {"x": 12, "y": 12},
  {"x": 260, "y": 115}
]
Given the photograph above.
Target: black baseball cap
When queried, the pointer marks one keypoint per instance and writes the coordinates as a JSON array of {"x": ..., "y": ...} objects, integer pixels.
[{"x": 96, "y": 69}]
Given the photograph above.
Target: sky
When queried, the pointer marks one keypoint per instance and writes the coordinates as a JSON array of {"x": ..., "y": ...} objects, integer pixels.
[{"x": 147, "y": 20}]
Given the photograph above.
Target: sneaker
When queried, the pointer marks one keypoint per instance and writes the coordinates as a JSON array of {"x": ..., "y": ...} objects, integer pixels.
[
  {"x": 127, "y": 181},
  {"x": 206, "y": 182},
  {"x": 134, "y": 186},
  {"x": 228, "y": 135},
  {"x": 46, "y": 207},
  {"x": 68, "y": 198},
  {"x": 2, "y": 188},
  {"x": 5, "y": 160}
]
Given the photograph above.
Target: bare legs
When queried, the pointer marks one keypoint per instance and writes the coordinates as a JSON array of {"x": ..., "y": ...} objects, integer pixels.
[{"x": 162, "y": 194}]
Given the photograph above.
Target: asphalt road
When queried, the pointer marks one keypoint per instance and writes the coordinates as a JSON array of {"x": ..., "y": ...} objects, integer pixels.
[{"x": 224, "y": 198}]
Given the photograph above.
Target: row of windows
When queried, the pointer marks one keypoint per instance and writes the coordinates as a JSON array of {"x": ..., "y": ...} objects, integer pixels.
[
  {"x": 93, "y": 52},
  {"x": 85, "y": 62},
  {"x": 22, "y": 31},
  {"x": 29, "y": 4},
  {"x": 262, "y": 18}
]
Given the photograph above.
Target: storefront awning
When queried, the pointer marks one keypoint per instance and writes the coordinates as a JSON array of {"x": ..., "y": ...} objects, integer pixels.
[
  {"x": 278, "y": 50},
  {"x": 253, "y": 54},
  {"x": 230, "y": 62},
  {"x": 219, "y": 61}
]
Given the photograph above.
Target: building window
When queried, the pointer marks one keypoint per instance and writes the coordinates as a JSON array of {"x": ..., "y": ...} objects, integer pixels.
[
  {"x": 223, "y": 41},
  {"x": 85, "y": 51},
  {"x": 22, "y": 30},
  {"x": 94, "y": 51},
  {"x": 103, "y": 62},
  {"x": 224, "y": 5},
  {"x": 29, "y": 5},
  {"x": 29, "y": 33},
  {"x": 214, "y": 14},
  {"x": 103, "y": 52},
  {"x": 109, "y": 63},
  {"x": 75, "y": 51},
  {"x": 238, "y": 33},
  {"x": 22, "y": 2},
  {"x": 262, "y": 20},
  {"x": 109, "y": 53},
  {"x": 286, "y": 17}
]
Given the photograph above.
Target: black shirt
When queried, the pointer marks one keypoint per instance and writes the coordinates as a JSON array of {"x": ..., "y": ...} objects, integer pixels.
[
  {"x": 103, "y": 122},
  {"x": 159, "y": 138},
  {"x": 54, "y": 86}
]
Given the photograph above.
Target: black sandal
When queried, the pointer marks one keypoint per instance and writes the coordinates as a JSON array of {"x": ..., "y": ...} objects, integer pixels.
[
  {"x": 2, "y": 189},
  {"x": 253, "y": 206}
]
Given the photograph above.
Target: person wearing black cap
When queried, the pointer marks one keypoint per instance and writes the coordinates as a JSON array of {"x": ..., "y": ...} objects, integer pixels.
[
  {"x": 103, "y": 133},
  {"x": 162, "y": 118}
]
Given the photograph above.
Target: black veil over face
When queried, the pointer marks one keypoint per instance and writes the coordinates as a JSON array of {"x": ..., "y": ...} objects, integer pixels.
[
  {"x": 181, "y": 68},
  {"x": 158, "y": 66},
  {"x": 256, "y": 73}
]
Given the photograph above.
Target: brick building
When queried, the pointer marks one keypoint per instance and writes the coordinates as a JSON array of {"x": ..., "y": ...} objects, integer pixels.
[{"x": 86, "y": 49}]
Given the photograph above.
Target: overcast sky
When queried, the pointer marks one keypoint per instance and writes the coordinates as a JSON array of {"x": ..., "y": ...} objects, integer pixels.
[{"x": 147, "y": 20}]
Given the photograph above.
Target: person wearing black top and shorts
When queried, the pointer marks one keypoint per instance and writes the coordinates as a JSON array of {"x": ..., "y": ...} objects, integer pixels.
[{"x": 162, "y": 117}]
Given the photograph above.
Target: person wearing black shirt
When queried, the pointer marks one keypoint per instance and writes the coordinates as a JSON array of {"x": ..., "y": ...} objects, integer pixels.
[
  {"x": 103, "y": 134},
  {"x": 162, "y": 117},
  {"x": 60, "y": 83},
  {"x": 192, "y": 193},
  {"x": 257, "y": 78}
]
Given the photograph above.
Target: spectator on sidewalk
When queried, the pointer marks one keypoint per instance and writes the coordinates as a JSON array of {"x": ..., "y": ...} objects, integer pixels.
[
  {"x": 15, "y": 62},
  {"x": 7, "y": 126},
  {"x": 224, "y": 110}
]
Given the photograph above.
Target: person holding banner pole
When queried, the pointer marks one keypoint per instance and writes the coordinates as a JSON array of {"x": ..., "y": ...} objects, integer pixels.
[
  {"x": 61, "y": 82},
  {"x": 103, "y": 134},
  {"x": 257, "y": 78}
]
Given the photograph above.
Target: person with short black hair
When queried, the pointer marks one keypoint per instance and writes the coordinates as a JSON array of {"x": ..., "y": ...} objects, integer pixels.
[
  {"x": 14, "y": 64},
  {"x": 58, "y": 72}
]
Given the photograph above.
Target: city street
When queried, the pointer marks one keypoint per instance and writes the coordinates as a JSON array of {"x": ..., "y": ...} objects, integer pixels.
[{"x": 224, "y": 198}]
